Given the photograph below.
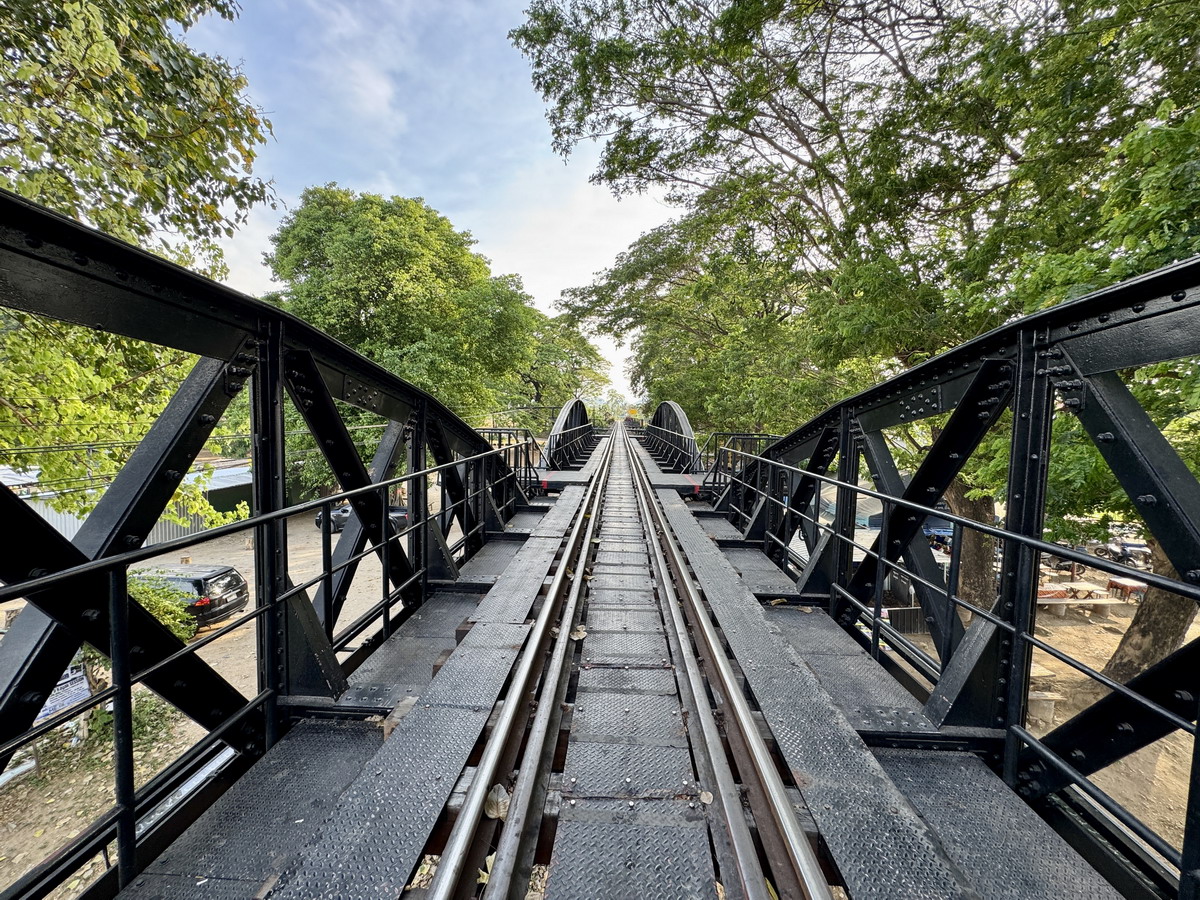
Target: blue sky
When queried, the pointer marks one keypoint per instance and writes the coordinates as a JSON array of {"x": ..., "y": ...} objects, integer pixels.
[{"x": 423, "y": 99}]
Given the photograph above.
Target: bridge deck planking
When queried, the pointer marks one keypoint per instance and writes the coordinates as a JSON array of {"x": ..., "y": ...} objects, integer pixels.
[
  {"x": 372, "y": 840},
  {"x": 765, "y": 579},
  {"x": 870, "y": 698},
  {"x": 403, "y": 664},
  {"x": 883, "y": 845}
]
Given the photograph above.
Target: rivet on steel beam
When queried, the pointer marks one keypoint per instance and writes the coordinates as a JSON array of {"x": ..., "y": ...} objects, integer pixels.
[
  {"x": 1106, "y": 437},
  {"x": 90, "y": 615},
  {"x": 1073, "y": 403},
  {"x": 1147, "y": 499},
  {"x": 1184, "y": 696},
  {"x": 1078, "y": 755},
  {"x": 1104, "y": 317},
  {"x": 132, "y": 540},
  {"x": 1138, "y": 307},
  {"x": 1074, "y": 326},
  {"x": 1178, "y": 295},
  {"x": 172, "y": 473},
  {"x": 1193, "y": 575},
  {"x": 1125, "y": 728}
]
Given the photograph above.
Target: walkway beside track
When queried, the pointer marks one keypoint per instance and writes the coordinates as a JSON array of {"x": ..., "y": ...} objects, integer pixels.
[{"x": 337, "y": 809}]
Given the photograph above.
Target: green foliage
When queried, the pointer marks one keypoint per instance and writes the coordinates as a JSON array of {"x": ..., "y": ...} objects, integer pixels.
[
  {"x": 165, "y": 602},
  {"x": 393, "y": 279},
  {"x": 108, "y": 116},
  {"x": 863, "y": 191}
]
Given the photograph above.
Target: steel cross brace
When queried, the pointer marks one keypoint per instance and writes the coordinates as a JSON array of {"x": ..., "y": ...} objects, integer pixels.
[
  {"x": 316, "y": 405},
  {"x": 917, "y": 555},
  {"x": 47, "y": 634},
  {"x": 803, "y": 491},
  {"x": 1162, "y": 488},
  {"x": 1115, "y": 725},
  {"x": 976, "y": 413},
  {"x": 455, "y": 484}
]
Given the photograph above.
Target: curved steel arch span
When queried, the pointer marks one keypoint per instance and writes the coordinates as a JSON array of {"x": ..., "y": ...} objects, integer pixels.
[
  {"x": 571, "y": 438},
  {"x": 670, "y": 438}
]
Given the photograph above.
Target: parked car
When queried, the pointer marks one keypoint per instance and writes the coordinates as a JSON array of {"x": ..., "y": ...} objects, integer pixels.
[
  {"x": 340, "y": 515},
  {"x": 215, "y": 592}
]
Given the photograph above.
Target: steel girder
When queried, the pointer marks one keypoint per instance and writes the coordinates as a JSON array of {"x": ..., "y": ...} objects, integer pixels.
[
  {"x": 54, "y": 267},
  {"x": 1063, "y": 359}
]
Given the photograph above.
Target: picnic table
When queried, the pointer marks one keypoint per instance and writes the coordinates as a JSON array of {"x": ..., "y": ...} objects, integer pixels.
[
  {"x": 1083, "y": 590},
  {"x": 1126, "y": 587}
]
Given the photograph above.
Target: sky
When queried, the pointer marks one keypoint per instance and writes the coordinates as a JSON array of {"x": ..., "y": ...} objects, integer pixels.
[{"x": 423, "y": 99}]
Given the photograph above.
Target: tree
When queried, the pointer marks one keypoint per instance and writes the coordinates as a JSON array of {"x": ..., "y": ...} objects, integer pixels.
[
  {"x": 108, "y": 116},
  {"x": 918, "y": 172},
  {"x": 564, "y": 365},
  {"x": 393, "y": 279}
]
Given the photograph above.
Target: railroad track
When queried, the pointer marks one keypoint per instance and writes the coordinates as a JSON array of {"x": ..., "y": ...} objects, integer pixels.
[{"x": 641, "y": 770}]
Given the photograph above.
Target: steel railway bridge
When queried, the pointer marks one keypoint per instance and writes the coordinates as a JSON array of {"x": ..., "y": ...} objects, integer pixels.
[{"x": 645, "y": 669}]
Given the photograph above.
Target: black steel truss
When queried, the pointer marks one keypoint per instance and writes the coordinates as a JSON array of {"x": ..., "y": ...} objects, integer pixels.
[
  {"x": 54, "y": 267},
  {"x": 1065, "y": 359}
]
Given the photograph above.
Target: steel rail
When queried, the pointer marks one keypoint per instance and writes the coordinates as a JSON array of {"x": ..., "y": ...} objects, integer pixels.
[
  {"x": 801, "y": 857},
  {"x": 513, "y": 851},
  {"x": 749, "y": 871},
  {"x": 458, "y": 844}
]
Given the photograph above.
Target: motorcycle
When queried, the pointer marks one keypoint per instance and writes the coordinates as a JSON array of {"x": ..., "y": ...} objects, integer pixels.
[{"x": 1127, "y": 553}]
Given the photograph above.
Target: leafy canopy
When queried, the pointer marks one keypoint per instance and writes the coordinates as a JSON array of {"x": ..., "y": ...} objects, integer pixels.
[{"x": 107, "y": 115}]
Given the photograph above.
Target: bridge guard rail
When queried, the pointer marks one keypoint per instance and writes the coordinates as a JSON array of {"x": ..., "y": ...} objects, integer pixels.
[
  {"x": 458, "y": 489},
  {"x": 800, "y": 500}
]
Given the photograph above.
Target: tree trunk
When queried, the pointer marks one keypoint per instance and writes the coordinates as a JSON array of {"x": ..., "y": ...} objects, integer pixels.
[
  {"x": 1158, "y": 627},
  {"x": 977, "y": 562}
]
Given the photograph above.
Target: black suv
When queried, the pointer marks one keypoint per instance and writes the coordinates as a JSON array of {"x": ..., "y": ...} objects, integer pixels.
[
  {"x": 217, "y": 592},
  {"x": 340, "y": 515}
]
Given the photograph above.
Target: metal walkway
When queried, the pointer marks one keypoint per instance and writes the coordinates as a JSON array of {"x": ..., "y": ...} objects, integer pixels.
[{"x": 635, "y": 794}]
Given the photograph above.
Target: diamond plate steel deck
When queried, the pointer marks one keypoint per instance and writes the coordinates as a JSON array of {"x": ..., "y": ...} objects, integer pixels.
[
  {"x": 558, "y": 520},
  {"x": 255, "y": 830},
  {"x": 656, "y": 853},
  {"x": 622, "y": 582},
  {"x": 524, "y": 521},
  {"x": 619, "y": 597},
  {"x": 881, "y": 845},
  {"x": 618, "y": 718},
  {"x": 511, "y": 597},
  {"x": 628, "y": 770},
  {"x": 474, "y": 673},
  {"x": 762, "y": 576},
  {"x": 624, "y": 647},
  {"x": 625, "y": 680},
  {"x": 1002, "y": 844},
  {"x": 615, "y": 618},
  {"x": 719, "y": 528},
  {"x": 489, "y": 562}
]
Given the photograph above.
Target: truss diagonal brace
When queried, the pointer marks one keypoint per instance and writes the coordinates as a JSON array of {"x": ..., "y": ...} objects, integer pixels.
[
  {"x": 976, "y": 413},
  {"x": 312, "y": 398},
  {"x": 824, "y": 449},
  {"x": 917, "y": 554},
  {"x": 38, "y": 649},
  {"x": 37, "y": 549},
  {"x": 1115, "y": 725},
  {"x": 353, "y": 538},
  {"x": 1159, "y": 483},
  {"x": 455, "y": 485}
]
